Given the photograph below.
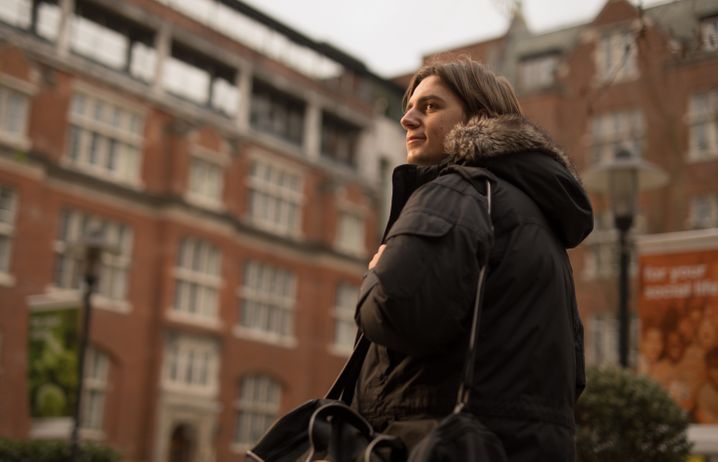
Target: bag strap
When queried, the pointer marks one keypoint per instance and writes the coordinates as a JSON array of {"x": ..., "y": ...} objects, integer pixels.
[
  {"x": 470, "y": 361},
  {"x": 343, "y": 386}
]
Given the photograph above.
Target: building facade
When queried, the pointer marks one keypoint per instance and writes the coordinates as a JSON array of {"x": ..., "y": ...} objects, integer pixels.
[{"x": 238, "y": 172}]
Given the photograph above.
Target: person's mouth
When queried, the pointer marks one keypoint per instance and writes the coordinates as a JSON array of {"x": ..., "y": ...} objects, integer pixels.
[{"x": 414, "y": 139}]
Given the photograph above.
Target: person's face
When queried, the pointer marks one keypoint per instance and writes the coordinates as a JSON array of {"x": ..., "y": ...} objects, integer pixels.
[
  {"x": 706, "y": 335},
  {"x": 432, "y": 111},
  {"x": 652, "y": 344},
  {"x": 712, "y": 372},
  {"x": 674, "y": 346}
]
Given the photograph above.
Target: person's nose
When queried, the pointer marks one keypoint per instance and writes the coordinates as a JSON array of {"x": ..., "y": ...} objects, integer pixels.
[{"x": 410, "y": 119}]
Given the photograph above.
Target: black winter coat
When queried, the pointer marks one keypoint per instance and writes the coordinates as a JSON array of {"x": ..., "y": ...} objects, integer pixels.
[{"x": 415, "y": 305}]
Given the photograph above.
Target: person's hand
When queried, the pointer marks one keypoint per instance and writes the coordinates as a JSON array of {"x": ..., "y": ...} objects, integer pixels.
[{"x": 375, "y": 259}]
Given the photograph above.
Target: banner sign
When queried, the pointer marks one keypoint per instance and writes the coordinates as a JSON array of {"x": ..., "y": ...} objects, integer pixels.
[
  {"x": 678, "y": 308},
  {"x": 52, "y": 362}
]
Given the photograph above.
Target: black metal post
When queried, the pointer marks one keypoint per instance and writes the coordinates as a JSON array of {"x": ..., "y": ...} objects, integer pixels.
[
  {"x": 91, "y": 262},
  {"x": 623, "y": 294}
]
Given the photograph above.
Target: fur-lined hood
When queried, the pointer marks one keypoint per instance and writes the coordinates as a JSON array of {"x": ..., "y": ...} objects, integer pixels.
[
  {"x": 517, "y": 151},
  {"x": 492, "y": 137}
]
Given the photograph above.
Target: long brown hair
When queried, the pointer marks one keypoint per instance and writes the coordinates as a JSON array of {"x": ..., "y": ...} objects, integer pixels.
[{"x": 481, "y": 91}]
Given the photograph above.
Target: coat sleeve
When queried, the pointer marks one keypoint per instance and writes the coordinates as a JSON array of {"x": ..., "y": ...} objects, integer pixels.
[{"x": 417, "y": 300}]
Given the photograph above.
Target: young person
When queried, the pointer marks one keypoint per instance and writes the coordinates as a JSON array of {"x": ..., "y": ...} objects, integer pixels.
[{"x": 416, "y": 300}]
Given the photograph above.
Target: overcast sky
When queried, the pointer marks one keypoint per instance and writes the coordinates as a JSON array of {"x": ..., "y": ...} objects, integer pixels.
[{"x": 391, "y": 36}]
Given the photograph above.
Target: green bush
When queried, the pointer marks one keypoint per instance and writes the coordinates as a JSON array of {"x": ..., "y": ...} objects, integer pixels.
[
  {"x": 622, "y": 416},
  {"x": 52, "y": 451}
]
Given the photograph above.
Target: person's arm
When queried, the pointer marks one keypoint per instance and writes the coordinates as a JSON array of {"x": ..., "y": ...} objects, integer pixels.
[{"x": 421, "y": 285}]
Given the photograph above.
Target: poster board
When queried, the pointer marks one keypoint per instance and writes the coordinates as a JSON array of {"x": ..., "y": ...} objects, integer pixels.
[
  {"x": 53, "y": 335},
  {"x": 678, "y": 309}
]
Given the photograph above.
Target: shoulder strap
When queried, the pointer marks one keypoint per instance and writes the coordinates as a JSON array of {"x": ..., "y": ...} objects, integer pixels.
[
  {"x": 343, "y": 386},
  {"x": 470, "y": 361}
]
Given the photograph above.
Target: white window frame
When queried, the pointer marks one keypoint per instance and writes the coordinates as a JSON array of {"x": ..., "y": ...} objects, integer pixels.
[
  {"x": 257, "y": 406},
  {"x": 204, "y": 164},
  {"x": 612, "y": 63},
  {"x": 12, "y": 85},
  {"x": 351, "y": 232},
  {"x": 186, "y": 80},
  {"x": 709, "y": 33},
  {"x": 345, "y": 299},
  {"x": 17, "y": 13},
  {"x": 600, "y": 260},
  {"x": 113, "y": 290},
  {"x": 98, "y": 42},
  {"x": 268, "y": 200},
  {"x": 7, "y": 234},
  {"x": 267, "y": 304},
  {"x": 130, "y": 136},
  {"x": 94, "y": 393},
  {"x": 205, "y": 282},
  {"x": 611, "y": 131},
  {"x": 539, "y": 71},
  {"x": 191, "y": 365},
  {"x": 708, "y": 120},
  {"x": 703, "y": 212},
  {"x": 602, "y": 339}
]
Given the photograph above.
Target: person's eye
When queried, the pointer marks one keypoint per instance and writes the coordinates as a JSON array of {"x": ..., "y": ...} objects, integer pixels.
[{"x": 430, "y": 107}]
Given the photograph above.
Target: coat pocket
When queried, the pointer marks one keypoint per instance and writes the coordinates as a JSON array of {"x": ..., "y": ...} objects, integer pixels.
[{"x": 420, "y": 223}]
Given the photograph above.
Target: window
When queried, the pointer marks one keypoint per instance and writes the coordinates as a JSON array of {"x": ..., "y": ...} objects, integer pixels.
[
  {"x": 225, "y": 96},
  {"x": 187, "y": 80},
  {"x": 350, "y": 233},
  {"x": 344, "y": 325},
  {"x": 703, "y": 212},
  {"x": 602, "y": 341},
  {"x": 617, "y": 57},
  {"x": 614, "y": 131},
  {"x": 8, "y": 206},
  {"x": 537, "y": 72},
  {"x": 114, "y": 266},
  {"x": 201, "y": 79},
  {"x": 601, "y": 257},
  {"x": 709, "y": 33},
  {"x": 703, "y": 125},
  {"x": 206, "y": 181},
  {"x": 98, "y": 42},
  {"x": 106, "y": 38},
  {"x": 105, "y": 138},
  {"x": 14, "y": 111},
  {"x": 257, "y": 407},
  {"x": 339, "y": 141},
  {"x": 17, "y": 13},
  {"x": 97, "y": 368},
  {"x": 276, "y": 113},
  {"x": 197, "y": 280},
  {"x": 266, "y": 302},
  {"x": 275, "y": 198},
  {"x": 48, "y": 20},
  {"x": 191, "y": 364}
]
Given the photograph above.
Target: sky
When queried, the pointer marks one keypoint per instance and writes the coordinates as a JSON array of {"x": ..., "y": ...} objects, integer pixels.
[{"x": 391, "y": 36}]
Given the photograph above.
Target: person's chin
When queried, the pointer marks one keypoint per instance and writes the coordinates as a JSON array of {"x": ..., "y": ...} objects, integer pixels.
[{"x": 420, "y": 157}]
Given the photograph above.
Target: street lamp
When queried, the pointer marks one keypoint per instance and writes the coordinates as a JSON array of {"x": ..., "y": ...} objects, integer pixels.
[
  {"x": 93, "y": 246},
  {"x": 622, "y": 178}
]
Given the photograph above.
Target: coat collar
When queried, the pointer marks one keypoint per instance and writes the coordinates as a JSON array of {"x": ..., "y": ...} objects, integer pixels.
[{"x": 483, "y": 138}]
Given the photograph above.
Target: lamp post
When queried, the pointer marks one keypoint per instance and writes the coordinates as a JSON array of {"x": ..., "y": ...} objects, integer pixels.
[
  {"x": 93, "y": 246},
  {"x": 622, "y": 178}
]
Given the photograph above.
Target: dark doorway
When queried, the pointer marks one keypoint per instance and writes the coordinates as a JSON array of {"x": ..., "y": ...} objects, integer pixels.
[{"x": 182, "y": 444}]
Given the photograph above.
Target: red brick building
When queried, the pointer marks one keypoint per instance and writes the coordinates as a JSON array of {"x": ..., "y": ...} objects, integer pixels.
[
  {"x": 239, "y": 172},
  {"x": 641, "y": 79}
]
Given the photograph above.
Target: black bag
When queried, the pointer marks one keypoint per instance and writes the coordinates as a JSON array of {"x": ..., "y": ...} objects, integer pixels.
[
  {"x": 328, "y": 429},
  {"x": 461, "y": 436}
]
